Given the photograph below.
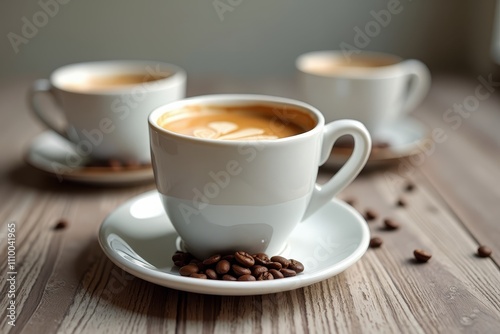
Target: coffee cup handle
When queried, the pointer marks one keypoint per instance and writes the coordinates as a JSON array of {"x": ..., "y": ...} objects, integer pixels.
[
  {"x": 420, "y": 82},
  {"x": 362, "y": 148},
  {"x": 44, "y": 86}
]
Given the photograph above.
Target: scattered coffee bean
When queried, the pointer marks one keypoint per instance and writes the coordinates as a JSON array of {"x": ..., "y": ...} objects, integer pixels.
[
  {"x": 281, "y": 260},
  {"x": 401, "y": 202},
  {"x": 484, "y": 251},
  {"x": 391, "y": 224},
  {"x": 350, "y": 201},
  {"x": 265, "y": 276},
  {"x": 61, "y": 224},
  {"x": 115, "y": 165},
  {"x": 211, "y": 274},
  {"x": 274, "y": 265},
  {"x": 261, "y": 258},
  {"x": 188, "y": 269},
  {"x": 376, "y": 242},
  {"x": 240, "y": 271},
  {"x": 240, "y": 266},
  {"x": 381, "y": 144},
  {"x": 296, "y": 266},
  {"x": 409, "y": 187},
  {"x": 370, "y": 215},
  {"x": 288, "y": 272},
  {"x": 131, "y": 163},
  {"x": 246, "y": 277},
  {"x": 244, "y": 258},
  {"x": 422, "y": 255},
  {"x": 258, "y": 269},
  {"x": 212, "y": 259},
  {"x": 276, "y": 273},
  {"x": 223, "y": 267}
]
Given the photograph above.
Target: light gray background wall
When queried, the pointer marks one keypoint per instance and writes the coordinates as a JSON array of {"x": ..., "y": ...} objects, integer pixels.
[{"x": 254, "y": 37}]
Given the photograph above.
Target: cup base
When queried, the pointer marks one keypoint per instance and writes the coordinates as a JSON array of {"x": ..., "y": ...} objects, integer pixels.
[{"x": 180, "y": 246}]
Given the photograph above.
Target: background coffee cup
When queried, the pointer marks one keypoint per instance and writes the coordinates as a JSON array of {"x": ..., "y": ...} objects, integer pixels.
[
  {"x": 102, "y": 107},
  {"x": 226, "y": 195},
  {"x": 374, "y": 88}
]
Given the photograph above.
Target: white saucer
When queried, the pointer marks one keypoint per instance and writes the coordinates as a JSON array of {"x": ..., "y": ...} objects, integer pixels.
[
  {"x": 403, "y": 139},
  {"x": 49, "y": 153},
  {"x": 139, "y": 238}
]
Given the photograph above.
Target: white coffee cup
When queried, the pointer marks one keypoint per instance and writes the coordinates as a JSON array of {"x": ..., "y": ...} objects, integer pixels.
[
  {"x": 227, "y": 195},
  {"x": 103, "y": 106},
  {"x": 374, "y": 88}
]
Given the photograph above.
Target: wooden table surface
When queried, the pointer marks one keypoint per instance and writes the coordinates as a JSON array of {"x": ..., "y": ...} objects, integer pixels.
[{"x": 66, "y": 284}]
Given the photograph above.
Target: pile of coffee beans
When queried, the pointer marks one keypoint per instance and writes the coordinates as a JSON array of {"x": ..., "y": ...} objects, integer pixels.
[{"x": 239, "y": 266}]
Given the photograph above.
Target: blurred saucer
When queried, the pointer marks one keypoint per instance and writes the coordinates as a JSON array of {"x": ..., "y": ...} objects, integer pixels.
[
  {"x": 50, "y": 153},
  {"x": 395, "y": 141},
  {"x": 140, "y": 239}
]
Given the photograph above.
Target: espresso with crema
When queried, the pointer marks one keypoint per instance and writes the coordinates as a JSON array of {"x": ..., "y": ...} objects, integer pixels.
[
  {"x": 98, "y": 83},
  {"x": 353, "y": 64},
  {"x": 246, "y": 122}
]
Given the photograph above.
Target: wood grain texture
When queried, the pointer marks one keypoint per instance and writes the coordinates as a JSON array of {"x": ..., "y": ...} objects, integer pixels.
[{"x": 65, "y": 283}]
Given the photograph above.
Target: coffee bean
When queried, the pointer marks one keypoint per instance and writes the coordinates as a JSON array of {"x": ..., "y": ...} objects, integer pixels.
[
  {"x": 258, "y": 269},
  {"x": 179, "y": 256},
  {"x": 296, "y": 266},
  {"x": 228, "y": 277},
  {"x": 484, "y": 251},
  {"x": 370, "y": 215},
  {"x": 238, "y": 266},
  {"x": 401, "y": 202},
  {"x": 274, "y": 265},
  {"x": 223, "y": 267},
  {"x": 381, "y": 145},
  {"x": 422, "y": 255},
  {"x": 229, "y": 258},
  {"x": 276, "y": 273},
  {"x": 288, "y": 272},
  {"x": 281, "y": 260},
  {"x": 61, "y": 224},
  {"x": 196, "y": 275},
  {"x": 212, "y": 260},
  {"x": 376, "y": 242},
  {"x": 211, "y": 274},
  {"x": 181, "y": 259},
  {"x": 115, "y": 165},
  {"x": 261, "y": 258},
  {"x": 244, "y": 259},
  {"x": 240, "y": 271},
  {"x": 391, "y": 224},
  {"x": 350, "y": 201},
  {"x": 265, "y": 276},
  {"x": 409, "y": 187},
  {"x": 247, "y": 277},
  {"x": 189, "y": 269}
]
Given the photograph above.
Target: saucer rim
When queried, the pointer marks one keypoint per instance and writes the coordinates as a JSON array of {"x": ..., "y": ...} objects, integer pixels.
[
  {"x": 388, "y": 155},
  {"x": 223, "y": 288},
  {"x": 80, "y": 175}
]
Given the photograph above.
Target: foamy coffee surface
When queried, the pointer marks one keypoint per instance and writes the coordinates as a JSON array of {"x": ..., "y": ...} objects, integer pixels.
[
  {"x": 249, "y": 122},
  {"x": 98, "y": 83}
]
